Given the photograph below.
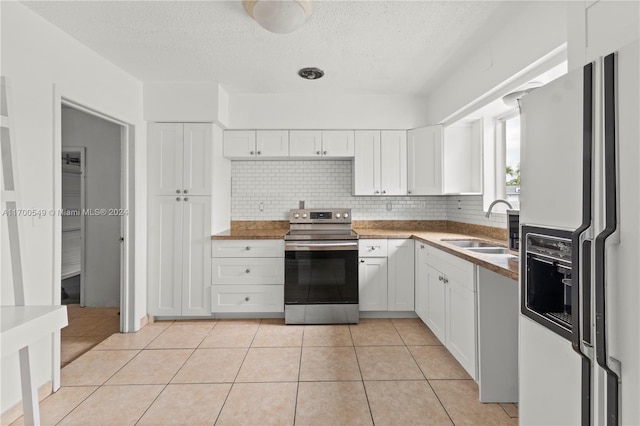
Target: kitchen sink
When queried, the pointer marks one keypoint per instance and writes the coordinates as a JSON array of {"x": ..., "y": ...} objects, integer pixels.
[
  {"x": 489, "y": 250},
  {"x": 470, "y": 243}
]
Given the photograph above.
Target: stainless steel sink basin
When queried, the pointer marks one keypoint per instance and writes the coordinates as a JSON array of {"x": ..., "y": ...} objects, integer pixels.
[
  {"x": 470, "y": 243},
  {"x": 489, "y": 250}
]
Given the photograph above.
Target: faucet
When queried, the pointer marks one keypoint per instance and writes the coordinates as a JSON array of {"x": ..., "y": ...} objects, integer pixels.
[{"x": 499, "y": 200}]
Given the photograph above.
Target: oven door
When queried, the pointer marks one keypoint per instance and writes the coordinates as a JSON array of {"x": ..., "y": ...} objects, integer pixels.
[{"x": 321, "y": 272}]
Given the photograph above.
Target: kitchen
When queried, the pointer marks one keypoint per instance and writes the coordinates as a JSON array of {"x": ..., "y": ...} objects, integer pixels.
[{"x": 60, "y": 68}]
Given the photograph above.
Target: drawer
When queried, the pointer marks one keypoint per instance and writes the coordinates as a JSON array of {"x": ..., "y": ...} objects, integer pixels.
[
  {"x": 247, "y": 271},
  {"x": 455, "y": 268},
  {"x": 247, "y": 248},
  {"x": 372, "y": 248},
  {"x": 247, "y": 298}
]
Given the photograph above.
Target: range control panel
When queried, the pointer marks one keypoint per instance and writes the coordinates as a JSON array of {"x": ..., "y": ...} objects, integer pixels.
[{"x": 320, "y": 216}]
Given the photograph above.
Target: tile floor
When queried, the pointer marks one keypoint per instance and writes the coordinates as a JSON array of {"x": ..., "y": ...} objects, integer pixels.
[
  {"x": 260, "y": 372},
  {"x": 87, "y": 327}
]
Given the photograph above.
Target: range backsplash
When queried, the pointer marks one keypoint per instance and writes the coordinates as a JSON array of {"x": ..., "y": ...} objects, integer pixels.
[{"x": 266, "y": 190}]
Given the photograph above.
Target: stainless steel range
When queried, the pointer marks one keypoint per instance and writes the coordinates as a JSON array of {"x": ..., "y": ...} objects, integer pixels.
[{"x": 321, "y": 268}]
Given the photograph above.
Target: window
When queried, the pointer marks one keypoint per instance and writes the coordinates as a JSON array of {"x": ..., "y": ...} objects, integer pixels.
[{"x": 508, "y": 157}]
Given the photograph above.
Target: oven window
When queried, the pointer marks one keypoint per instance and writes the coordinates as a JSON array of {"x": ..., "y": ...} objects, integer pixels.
[{"x": 321, "y": 277}]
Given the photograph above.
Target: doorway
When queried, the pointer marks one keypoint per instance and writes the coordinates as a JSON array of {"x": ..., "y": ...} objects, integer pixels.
[{"x": 92, "y": 225}]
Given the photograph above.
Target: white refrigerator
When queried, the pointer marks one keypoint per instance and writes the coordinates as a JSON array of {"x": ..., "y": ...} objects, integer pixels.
[{"x": 580, "y": 157}]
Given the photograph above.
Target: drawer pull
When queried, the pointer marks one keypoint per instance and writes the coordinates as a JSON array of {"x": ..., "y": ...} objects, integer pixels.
[
  {"x": 446, "y": 280},
  {"x": 247, "y": 248},
  {"x": 440, "y": 278},
  {"x": 246, "y": 299},
  {"x": 247, "y": 270},
  {"x": 373, "y": 248},
  {"x": 361, "y": 260}
]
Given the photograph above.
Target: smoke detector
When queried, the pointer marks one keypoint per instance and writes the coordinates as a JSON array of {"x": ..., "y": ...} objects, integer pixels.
[{"x": 311, "y": 73}]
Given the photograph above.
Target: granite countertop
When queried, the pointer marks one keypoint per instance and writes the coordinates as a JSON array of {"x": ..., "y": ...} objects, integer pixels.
[
  {"x": 435, "y": 237},
  {"x": 498, "y": 264}
]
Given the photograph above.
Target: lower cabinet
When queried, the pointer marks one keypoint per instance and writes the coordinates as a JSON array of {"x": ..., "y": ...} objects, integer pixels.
[
  {"x": 247, "y": 276},
  {"x": 386, "y": 275},
  {"x": 179, "y": 255},
  {"x": 446, "y": 301}
]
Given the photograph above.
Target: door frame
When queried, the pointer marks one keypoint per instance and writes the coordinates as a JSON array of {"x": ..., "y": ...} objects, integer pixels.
[
  {"x": 127, "y": 152},
  {"x": 83, "y": 158}
]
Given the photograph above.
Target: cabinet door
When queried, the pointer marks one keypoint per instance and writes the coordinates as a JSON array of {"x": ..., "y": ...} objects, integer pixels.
[
  {"x": 436, "y": 303},
  {"x": 338, "y": 143},
  {"x": 366, "y": 165},
  {"x": 372, "y": 278},
  {"x": 424, "y": 161},
  {"x": 165, "y": 158},
  {"x": 305, "y": 143},
  {"x": 462, "y": 158},
  {"x": 401, "y": 282},
  {"x": 393, "y": 162},
  {"x": 196, "y": 256},
  {"x": 198, "y": 156},
  {"x": 461, "y": 325},
  {"x": 240, "y": 144},
  {"x": 272, "y": 143},
  {"x": 421, "y": 281},
  {"x": 165, "y": 255}
]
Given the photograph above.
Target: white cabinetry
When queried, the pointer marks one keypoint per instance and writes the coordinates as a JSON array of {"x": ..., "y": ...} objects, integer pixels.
[
  {"x": 446, "y": 302},
  {"x": 256, "y": 144},
  {"x": 400, "y": 295},
  {"x": 380, "y": 164},
  {"x": 386, "y": 279},
  {"x": 247, "y": 276},
  {"x": 424, "y": 161},
  {"x": 179, "y": 224},
  {"x": 180, "y": 158},
  {"x": 321, "y": 144},
  {"x": 445, "y": 160},
  {"x": 462, "y": 158}
]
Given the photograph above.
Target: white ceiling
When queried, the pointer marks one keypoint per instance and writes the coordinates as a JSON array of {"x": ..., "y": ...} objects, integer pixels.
[{"x": 364, "y": 47}]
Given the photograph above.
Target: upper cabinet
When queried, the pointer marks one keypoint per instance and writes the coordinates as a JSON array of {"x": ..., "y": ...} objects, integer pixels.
[
  {"x": 380, "y": 164},
  {"x": 462, "y": 158},
  {"x": 253, "y": 145},
  {"x": 424, "y": 161},
  {"x": 180, "y": 158},
  {"x": 445, "y": 160},
  {"x": 321, "y": 144}
]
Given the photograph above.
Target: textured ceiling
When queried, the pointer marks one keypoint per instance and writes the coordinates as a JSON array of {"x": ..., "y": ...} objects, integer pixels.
[{"x": 377, "y": 47}]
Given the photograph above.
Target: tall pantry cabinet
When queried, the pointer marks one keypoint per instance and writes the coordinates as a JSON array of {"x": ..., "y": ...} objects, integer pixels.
[{"x": 179, "y": 270}]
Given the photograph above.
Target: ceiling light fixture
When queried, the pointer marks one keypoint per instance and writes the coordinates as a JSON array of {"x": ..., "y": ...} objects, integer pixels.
[
  {"x": 311, "y": 73},
  {"x": 279, "y": 16}
]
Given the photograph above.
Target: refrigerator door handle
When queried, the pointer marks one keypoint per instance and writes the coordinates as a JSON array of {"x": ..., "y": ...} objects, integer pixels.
[
  {"x": 610, "y": 196},
  {"x": 581, "y": 253}
]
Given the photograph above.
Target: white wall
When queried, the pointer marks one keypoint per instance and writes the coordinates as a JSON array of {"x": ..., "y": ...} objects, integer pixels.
[
  {"x": 537, "y": 29},
  {"x": 102, "y": 140},
  {"x": 298, "y": 111},
  {"x": 39, "y": 60},
  {"x": 185, "y": 102}
]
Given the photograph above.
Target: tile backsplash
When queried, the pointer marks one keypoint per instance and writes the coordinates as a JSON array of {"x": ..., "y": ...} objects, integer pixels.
[{"x": 267, "y": 190}]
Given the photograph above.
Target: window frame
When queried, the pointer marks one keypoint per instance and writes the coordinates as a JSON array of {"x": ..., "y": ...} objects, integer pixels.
[{"x": 501, "y": 155}]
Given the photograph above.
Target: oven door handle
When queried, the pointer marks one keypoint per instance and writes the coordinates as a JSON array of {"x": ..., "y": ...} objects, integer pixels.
[{"x": 321, "y": 246}]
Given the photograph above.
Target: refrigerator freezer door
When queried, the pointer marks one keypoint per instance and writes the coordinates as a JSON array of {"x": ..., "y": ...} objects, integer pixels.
[
  {"x": 550, "y": 377},
  {"x": 551, "y": 154}
]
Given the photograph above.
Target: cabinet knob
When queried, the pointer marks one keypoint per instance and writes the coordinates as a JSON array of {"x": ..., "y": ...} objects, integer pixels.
[
  {"x": 373, "y": 248},
  {"x": 186, "y": 198},
  {"x": 246, "y": 299},
  {"x": 318, "y": 152},
  {"x": 409, "y": 191},
  {"x": 440, "y": 278},
  {"x": 324, "y": 152},
  {"x": 361, "y": 260},
  {"x": 421, "y": 246},
  {"x": 177, "y": 198},
  {"x": 384, "y": 192},
  {"x": 186, "y": 191},
  {"x": 247, "y": 270},
  {"x": 177, "y": 191},
  {"x": 251, "y": 152},
  {"x": 377, "y": 192},
  {"x": 258, "y": 153},
  {"x": 446, "y": 280},
  {"x": 247, "y": 248}
]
